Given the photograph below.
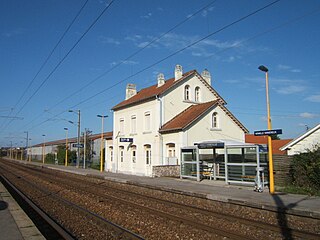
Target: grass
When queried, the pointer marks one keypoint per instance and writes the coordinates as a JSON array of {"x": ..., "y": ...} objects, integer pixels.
[{"x": 299, "y": 190}]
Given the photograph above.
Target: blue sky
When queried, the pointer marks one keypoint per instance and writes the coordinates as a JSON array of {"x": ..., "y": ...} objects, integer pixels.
[{"x": 284, "y": 37}]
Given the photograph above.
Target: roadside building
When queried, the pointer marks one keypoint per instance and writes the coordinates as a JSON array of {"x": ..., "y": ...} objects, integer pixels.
[
  {"x": 305, "y": 142},
  {"x": 276, "y": 144}
]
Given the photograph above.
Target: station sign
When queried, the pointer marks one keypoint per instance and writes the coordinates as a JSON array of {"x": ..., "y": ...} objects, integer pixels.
[
  {"x": 207, "y": 145},
  {"x": 76, "y": 145},
  {"x": 130, "y": 140},
  {"x": 268, "y": 132}
]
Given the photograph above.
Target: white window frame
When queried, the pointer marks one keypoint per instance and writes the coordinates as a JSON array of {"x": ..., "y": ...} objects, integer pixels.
[
  {"x": 147, "y": 122},
  {"x": 147, "y": 150},
  {"x": 133, "y": 124},
  {"x": 197, "y": 94},
  {"x": 121, "y": 126},
  {"x": 187, "y": 93}
]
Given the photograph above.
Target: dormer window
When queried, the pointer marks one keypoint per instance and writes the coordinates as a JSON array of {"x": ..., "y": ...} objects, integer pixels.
[
  {"x": 187, "y": 92},
  {"x": 197, "y": 94}
]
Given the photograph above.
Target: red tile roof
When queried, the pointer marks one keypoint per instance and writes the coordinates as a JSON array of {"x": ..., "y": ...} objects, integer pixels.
[
  {"x": 186, "y": 117},
  {"x": 191, "y": 114},
  {"x": 149, "y": 93},
  {"x": 106, "y": 135},
  {"x": 276, "y": 144}
]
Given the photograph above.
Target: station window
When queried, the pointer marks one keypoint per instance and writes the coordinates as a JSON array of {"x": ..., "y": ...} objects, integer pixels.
[
  {"x": 121, "y": 150},
  {"x": 187, "y": 92},
  {"x": 121, "y": 126},
  {"x": 147, "y": 121},
  {"x": 147, "y": 149},
  {"x": 215, "y": 120},
  {"x": 134, "y": 154},
  {"x": 133, "y": 124},
  {"x": 197, "y": 94}
]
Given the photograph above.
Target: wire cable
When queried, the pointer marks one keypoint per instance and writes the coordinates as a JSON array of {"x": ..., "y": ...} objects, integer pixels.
[
  {"x": 50, "y": 54},
  {"x": 62, "y": 60}
]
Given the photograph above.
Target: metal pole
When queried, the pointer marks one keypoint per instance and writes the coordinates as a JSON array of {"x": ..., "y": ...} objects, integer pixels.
[
  {"x": 78, "y": 140},
  {"x": 66, "y": 158},
  {"x": 43, "y": 148},
  {"x": 85, "y": 148},
  {"x": 271, "y": 177},
  {"x": 101, "y": 146},
  {"x": 27, "y": 145},
  {"x": 11, "y": 149}
]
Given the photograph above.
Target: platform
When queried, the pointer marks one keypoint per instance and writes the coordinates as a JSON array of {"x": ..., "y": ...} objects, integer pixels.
[
  {"x": 302, "y": 205},
  {"x": 14, "y": 223}
]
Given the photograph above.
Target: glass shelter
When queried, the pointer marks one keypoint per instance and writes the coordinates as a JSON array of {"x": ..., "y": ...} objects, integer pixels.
[{"x": 229, "y": 161}]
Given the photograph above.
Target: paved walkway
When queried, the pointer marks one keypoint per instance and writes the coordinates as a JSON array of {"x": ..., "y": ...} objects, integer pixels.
[
  {"x": 216, "y": 190},
  {"x": 14, "y": 223}
]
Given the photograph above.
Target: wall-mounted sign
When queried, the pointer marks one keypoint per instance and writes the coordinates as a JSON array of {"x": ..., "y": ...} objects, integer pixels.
[
  {"x": 126, "y": 140},
  {"x": 268, "y": 132}
]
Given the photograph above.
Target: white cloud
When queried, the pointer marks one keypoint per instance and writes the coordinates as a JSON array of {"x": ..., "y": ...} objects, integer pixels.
[
  {"x": 108, "y": 40},
  {"x": 206, "y": 11},
  {"x": 313, "y": 98},
  {"x": 13, "y": 33},
  {"x": 288, "y": 68},
  {"x": 147, "y": 16},
  {"x": 291, "y": 89},
  {"x": 308, "y": 115},
  {"x": 126, "y": 62},
  {"x": 264, "y": 118}
]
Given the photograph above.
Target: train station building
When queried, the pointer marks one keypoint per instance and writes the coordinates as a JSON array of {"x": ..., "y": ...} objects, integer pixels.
[{"x": 152, "y": 125}]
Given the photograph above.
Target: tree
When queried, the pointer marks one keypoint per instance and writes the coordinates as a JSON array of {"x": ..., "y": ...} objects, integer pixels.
[
  {"x": 88, "y": 143},
  {"x": 61, "y": 154},
  {"x": 275, "y": 137}
]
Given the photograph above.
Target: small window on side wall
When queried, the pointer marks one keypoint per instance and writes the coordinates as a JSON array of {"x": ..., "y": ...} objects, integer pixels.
[
  {"x": 215, "y": 120},
  {"x": 197, "y": 94},
  {"x": 187, "y": 92}
]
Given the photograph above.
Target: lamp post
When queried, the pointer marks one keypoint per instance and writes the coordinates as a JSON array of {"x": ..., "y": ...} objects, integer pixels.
[
  {"x": 78, "y": 139},
  {"x": 66, "y": 158},
  {"x": 43, "y": 148},
  {"x": 10, "y": 149},
  {"x": 271, "y": 178},
  {"x": 101, "y": 142},
  {"x": 27, "y": 143},
  {"x": 30, "y": 155}
]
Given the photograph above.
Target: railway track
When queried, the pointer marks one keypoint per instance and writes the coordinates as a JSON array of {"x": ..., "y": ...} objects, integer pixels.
[{"x": 211, "y": 222}]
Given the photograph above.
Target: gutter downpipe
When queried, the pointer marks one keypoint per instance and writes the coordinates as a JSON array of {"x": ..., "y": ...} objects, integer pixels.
[{"x": 160, "y": 135}]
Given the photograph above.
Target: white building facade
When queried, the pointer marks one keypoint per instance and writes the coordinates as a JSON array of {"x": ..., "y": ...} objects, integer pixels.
[
  {"x": 151, "y": 126},
  {"x": 308, "y": 141}
]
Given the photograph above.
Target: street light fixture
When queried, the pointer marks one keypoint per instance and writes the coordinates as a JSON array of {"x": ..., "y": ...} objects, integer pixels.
[
  {"x": 101, "y": 141},
  {"x": 271, "y": 178},
  {"x": 27, "y": 143},
  {"x": 66, "y": 158},
  {"x": 78, "y": 139},
  {"x": 43, "y": 147}
]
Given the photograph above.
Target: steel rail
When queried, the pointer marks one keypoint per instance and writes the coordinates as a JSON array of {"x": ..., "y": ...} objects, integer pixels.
[
  {"x": 123, "y": 232},
  {"x": 58, "y": 228}
]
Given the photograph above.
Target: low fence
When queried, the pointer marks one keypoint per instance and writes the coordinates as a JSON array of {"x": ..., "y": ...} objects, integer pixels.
[{"x": 281, "y": 167}]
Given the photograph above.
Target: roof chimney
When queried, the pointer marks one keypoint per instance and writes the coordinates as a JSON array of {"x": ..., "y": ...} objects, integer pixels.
[
  {"x": 206, "y": 76},
  {"x": 131, "y": 90},
  {"x": 178, "y": 72},
  {"x": 161, "y": 79}
]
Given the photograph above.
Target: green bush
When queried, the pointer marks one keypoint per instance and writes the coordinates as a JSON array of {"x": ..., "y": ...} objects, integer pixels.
[
  {"x": 305, "y": 171},
  {"x": 50, "y": 158}
]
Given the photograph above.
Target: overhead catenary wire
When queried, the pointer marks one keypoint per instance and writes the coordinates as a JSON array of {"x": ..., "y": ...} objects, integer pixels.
[
  {"x": 169, "y": 56},
  {"x": 49, "y": 56},
  {"x": 155, "y": 39},
  {"x": 65, "y": 56},
  {"x": 255, "y": 36}
]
